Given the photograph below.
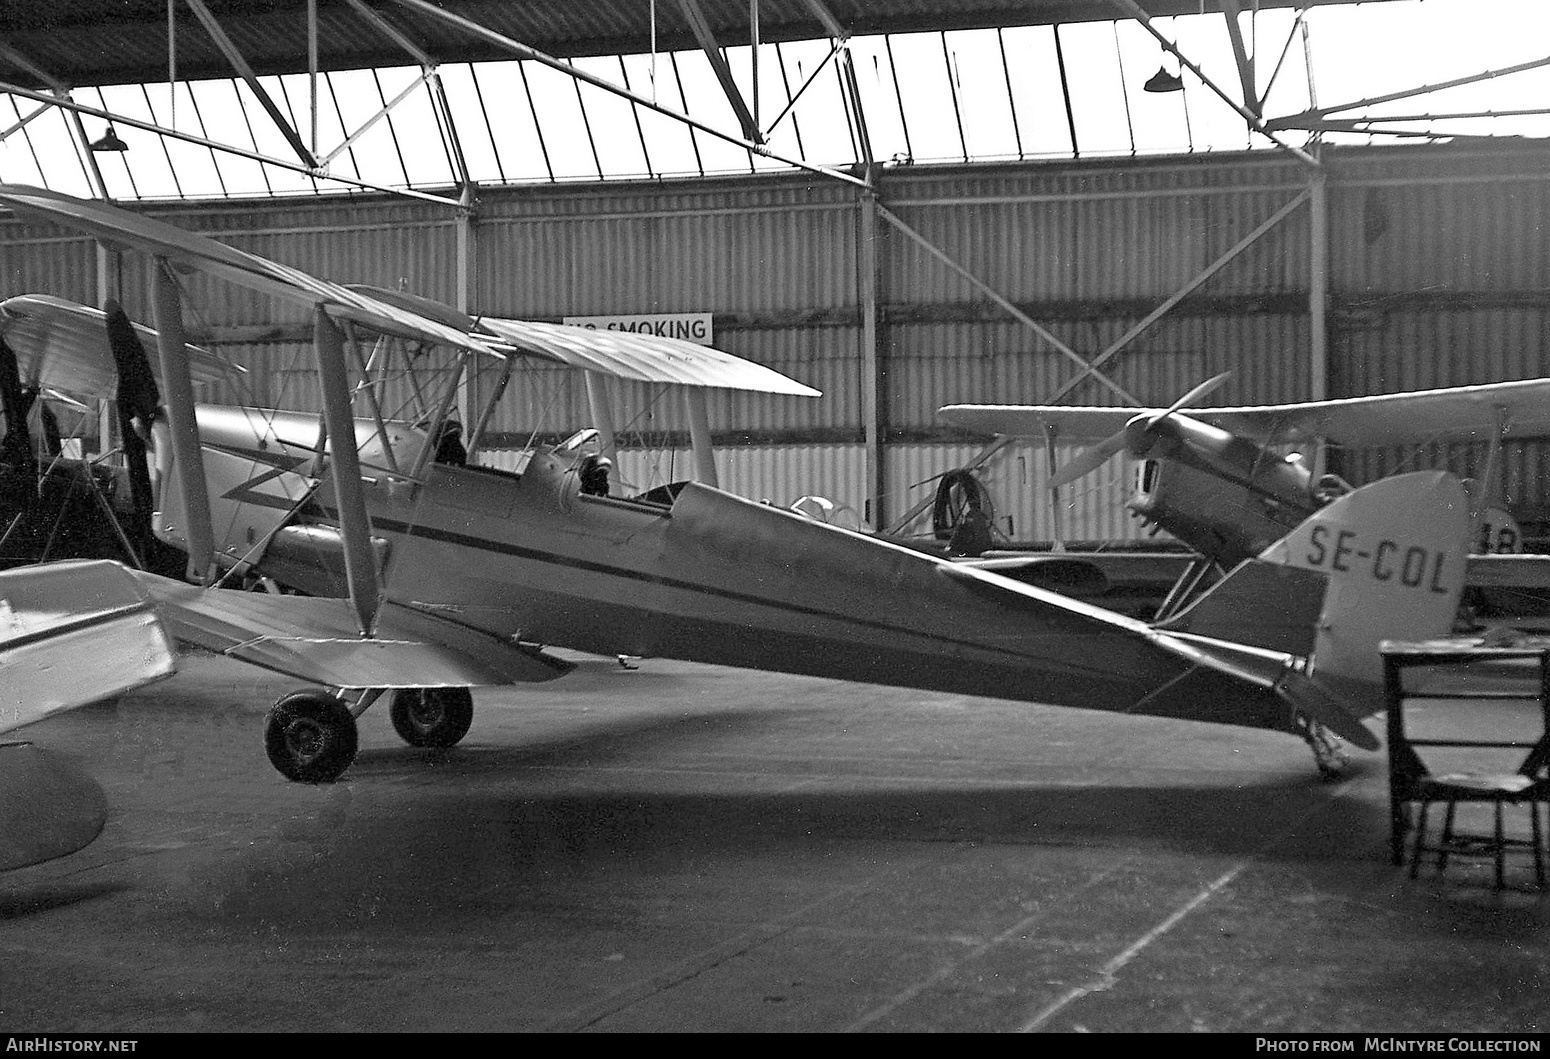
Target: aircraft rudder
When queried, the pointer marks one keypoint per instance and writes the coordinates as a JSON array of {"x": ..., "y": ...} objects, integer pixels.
[{"x": 1394, "y": 553}]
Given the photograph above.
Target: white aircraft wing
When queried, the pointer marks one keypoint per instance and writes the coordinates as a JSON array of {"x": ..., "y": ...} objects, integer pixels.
[
  {"x": 73, "y": 633},
  {"x": 623, "y": 355},
  {"x": 644, "y": 358},
  {"x": 1522, "y": 407},
  {"x": 317, "y": 640},
  {"x": 119, "y": 227},
  {"x": 62, "y": 345},
  {"x": 1069, "y": 422}
]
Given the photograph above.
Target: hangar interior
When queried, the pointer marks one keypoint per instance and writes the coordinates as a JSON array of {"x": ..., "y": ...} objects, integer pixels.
[
  {"x": 904, "y": 204},
  {"x": 1352, "y": 262}
]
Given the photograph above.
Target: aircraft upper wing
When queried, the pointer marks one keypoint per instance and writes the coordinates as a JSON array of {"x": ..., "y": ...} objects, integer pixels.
[
  {"x": 624, "y": 355},
  {"x": 1522, "y": 407},
  {"x": 1069, "y": 422},
  {"x": 62, "y": 345},
  {"x": 317, "y": 640},
  {"x": 644, "y": 358},
  {"x": 119, "y": 227}
]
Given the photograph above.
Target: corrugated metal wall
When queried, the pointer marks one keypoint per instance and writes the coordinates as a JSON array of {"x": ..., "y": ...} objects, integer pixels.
[{"x": 1439, "y": 271}]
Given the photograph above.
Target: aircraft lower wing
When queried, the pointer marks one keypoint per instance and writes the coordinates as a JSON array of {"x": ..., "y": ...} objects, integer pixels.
[
  {"x": 70, "y": 634},
  {"x": 1508, "y": 571},
  {"x": 317, "y": 640},
  {"x": 73, "y": 633}
]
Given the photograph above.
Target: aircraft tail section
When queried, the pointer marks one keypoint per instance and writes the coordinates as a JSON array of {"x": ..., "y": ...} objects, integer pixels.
[
  {"x": 1385, "y": 562},
  {"x": 1395, "y": 554}
]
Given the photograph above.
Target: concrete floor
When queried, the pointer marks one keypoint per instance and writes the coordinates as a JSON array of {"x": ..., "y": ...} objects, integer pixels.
[{"x": 692, "y": 848}]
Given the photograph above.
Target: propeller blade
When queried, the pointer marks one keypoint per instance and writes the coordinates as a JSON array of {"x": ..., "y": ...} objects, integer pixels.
[
  {"x": 1193, "y": 395},
  {"x": 1089, "y": 460}
]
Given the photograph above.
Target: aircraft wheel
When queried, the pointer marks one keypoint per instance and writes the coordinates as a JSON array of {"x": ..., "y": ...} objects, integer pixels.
[
  {"x": 432, "y": 717},
  {"x": 310, "y": 737}
]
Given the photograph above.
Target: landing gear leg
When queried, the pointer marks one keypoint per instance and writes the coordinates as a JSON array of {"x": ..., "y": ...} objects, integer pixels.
[{"x": 1328, "y": 748}]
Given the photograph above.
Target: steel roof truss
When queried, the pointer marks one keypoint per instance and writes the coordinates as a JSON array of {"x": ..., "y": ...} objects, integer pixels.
[
  {"x": 834, "y": 50},
  {"x": 1137, "y": 12},
  {"x": 718, "y": 63},
  {"x": 1242, "y": 58},
  {"x": 256, "y": 156},
  {"x": 525, "y": 51},
  {"x": 367, "y": 125},
  {"x": 240, "y": 64},
  {"x": 432, "y": 78},
  {"x": 1308, "y": 119}
]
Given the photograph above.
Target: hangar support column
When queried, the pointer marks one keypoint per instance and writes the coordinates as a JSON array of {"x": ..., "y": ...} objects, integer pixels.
[{"x": 874, "y": 417}]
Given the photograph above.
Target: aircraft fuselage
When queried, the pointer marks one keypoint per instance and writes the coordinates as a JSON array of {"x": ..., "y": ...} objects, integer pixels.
[{"x": 717, "y": 579}]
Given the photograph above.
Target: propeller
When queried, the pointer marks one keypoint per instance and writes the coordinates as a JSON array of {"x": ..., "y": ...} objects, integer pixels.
[{"x": 1129, "y": 436}]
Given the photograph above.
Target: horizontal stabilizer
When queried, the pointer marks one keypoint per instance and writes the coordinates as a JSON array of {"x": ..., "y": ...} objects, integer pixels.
[
  {"x": 48, "y": 807},
  {"x": 1307, "y": 697},
  {"x": 317, "y": 640},
  {"x": 73, "y": 633}
]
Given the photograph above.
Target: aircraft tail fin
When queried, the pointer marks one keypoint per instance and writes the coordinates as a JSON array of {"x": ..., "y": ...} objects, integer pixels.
[
  {"x": 1384, "y": 562},
  {"x": 1395, "y": 553}
]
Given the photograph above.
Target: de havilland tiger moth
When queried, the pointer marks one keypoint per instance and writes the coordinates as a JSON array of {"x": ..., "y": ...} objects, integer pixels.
[
  {"x": 1229, "y": 481},
  {"x": 460, "y": 576}
]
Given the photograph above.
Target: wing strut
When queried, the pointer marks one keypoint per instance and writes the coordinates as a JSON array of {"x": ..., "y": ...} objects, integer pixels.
[
  {"x": 171, "y": 347},
  {"x": 345, "y": 466}
]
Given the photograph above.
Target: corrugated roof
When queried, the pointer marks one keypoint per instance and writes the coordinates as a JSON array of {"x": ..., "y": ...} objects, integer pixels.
[{"x": 108, "y": 42}]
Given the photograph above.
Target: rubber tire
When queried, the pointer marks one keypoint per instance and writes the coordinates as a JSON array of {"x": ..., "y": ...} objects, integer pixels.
[
  {"x": 310, "y": 737},
  {"x": 956, "y": 493},
  {"x": 432, "y": 717}
]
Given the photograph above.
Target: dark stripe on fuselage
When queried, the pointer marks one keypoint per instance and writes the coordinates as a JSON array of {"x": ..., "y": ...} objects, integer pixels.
[{"x": 502, "y": 548}]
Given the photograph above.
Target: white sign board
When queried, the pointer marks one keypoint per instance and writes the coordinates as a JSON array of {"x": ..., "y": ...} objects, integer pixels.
[{"x": 690, "y": 327}]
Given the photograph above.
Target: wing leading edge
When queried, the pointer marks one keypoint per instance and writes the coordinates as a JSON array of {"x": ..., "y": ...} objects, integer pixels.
[{"x": 1520, "y": 409}]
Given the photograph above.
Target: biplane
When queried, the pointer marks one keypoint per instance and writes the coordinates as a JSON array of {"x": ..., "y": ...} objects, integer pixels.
[
  {"x": 1229, "y": 481},
  {"x": 458, "y": 576}
]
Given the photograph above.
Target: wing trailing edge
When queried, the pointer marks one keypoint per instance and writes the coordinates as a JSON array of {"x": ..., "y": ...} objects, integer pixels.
[{"x": 316, "y": 640}]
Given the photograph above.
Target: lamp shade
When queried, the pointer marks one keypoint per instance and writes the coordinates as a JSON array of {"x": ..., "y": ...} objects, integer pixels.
[
  {"x": 1163, "y": 81},
  {"x": 109, "y": 142}
]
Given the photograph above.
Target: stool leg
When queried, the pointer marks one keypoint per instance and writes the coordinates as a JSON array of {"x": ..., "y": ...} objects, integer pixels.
[
  {"x": 1420, "y": 840},
  {"x": 1447, "y": 838},
  {"x": 1538, "y": 839},
  {"x": 1501, "y": 848}
]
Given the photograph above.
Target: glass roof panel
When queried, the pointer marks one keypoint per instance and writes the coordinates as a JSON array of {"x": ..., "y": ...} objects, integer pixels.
[
  {"x": 1035, "y": 78},
  {"x": 927, "y": 97},
  {"x": 669, "y": 142},
  {"x": 979, "y": 81},
  {"x": 611, "y": 121}
]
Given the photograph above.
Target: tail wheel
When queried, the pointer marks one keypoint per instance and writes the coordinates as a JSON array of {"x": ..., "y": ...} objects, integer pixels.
[
  {"x": 432, "y": 717},
  {"x": 310, "y": 737}
]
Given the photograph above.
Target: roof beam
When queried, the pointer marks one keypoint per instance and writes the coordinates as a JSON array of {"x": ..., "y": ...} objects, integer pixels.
[
  {"x": 161, "y": 130},
  {"x": 526, "y": 52},
  {"x": 1242, "y": 57},
  {"x": 240, "y": 64},
  {"x": 1137, "y": 12},
  {"x": 438, "y": 93},
  {"x": 1310, "y": 118},
  {"x": 718, "y": 62}
]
